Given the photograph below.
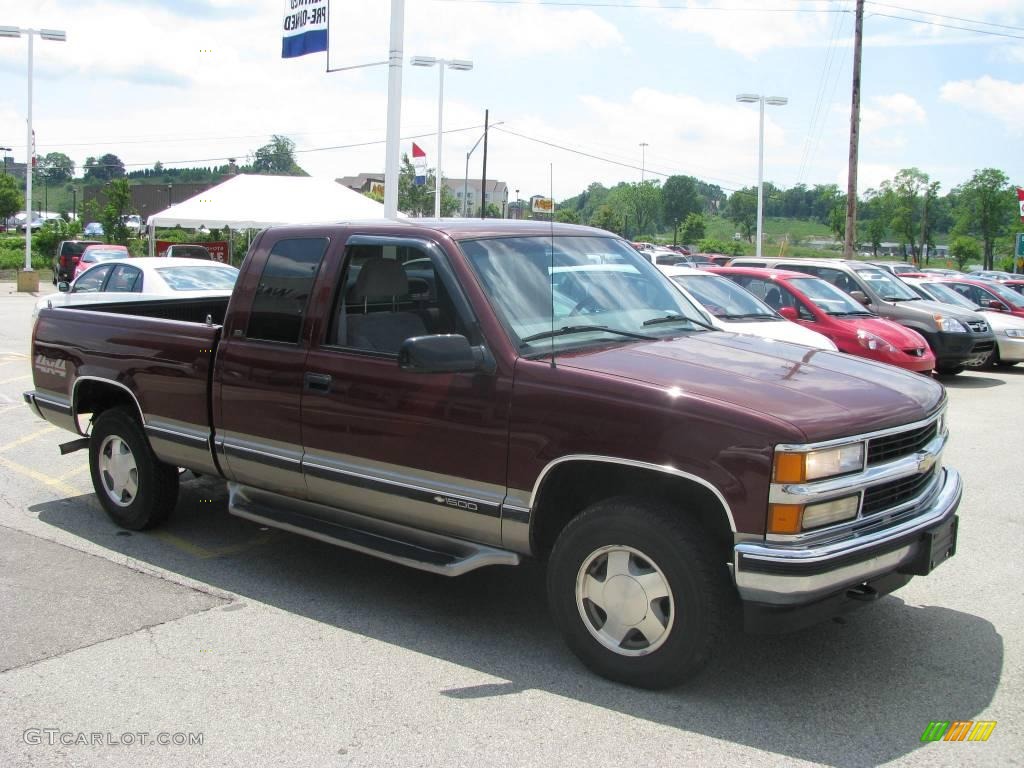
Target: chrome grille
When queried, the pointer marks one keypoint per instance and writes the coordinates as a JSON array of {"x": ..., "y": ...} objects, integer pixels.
[
  {"x": 977, "y": 326},
  {"x": 892, "y": 494},
  {"x": 892, "y": 447}
]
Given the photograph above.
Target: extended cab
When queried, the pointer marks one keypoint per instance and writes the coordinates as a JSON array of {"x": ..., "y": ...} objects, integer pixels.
[{"x": 455, "y": 394}]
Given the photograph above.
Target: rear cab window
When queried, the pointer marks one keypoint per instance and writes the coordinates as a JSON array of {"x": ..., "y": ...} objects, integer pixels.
[{"x": 282, "y": 294}]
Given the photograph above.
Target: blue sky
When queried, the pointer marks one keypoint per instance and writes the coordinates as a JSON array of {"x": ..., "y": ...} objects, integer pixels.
[{"x": 199, "y": 81}]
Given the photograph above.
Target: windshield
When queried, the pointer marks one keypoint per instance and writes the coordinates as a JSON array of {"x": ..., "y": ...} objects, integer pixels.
[
  {"x": 827, "y": 297},
  {"x": 92, "y": 255},
  {"x": 889, "y": 288},
  {"x": 595, "y": 282},
  {"x": 1008, "y": 295},
  {"x": 198, "y": 278},
  {"x": 947, "y": 295},
  {"x": 724, "y": 299}
]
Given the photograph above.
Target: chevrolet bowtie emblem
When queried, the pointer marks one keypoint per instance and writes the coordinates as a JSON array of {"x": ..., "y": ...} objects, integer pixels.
[{"x": 925, "y": 461}]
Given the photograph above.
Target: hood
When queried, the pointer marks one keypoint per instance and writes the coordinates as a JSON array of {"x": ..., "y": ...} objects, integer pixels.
[
  {"x": 1001, "y": 321},
  {"x": 779, "y": 329},
  {"x": 898, "y": 335},
  {"x": 822, "y": 394},
  {"x": 946, "y": 310}
]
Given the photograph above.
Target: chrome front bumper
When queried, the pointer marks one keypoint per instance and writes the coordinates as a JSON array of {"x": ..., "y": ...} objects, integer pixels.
[{"x": 794, "y": 574}]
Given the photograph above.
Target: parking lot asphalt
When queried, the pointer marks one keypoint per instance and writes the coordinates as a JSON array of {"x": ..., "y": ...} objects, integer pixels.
[{"x": 273, "y": 649}]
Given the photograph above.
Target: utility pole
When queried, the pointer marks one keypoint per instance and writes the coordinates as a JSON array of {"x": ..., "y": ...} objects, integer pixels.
[
  {"x": 851, "y": 183},
  {"x": 643, "y": 159}
]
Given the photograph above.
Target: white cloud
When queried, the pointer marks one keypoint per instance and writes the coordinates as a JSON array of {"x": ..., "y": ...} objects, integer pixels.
[{"x": 1000, "y": 99}]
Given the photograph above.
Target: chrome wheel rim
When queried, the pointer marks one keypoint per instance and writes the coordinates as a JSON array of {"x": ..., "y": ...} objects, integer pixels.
[
  {"x": 625, "y": 600},
  {"x": 118, "y": 471}
]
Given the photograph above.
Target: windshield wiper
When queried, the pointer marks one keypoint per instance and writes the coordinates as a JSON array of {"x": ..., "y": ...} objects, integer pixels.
[
  {"x": 855, "y": 313},
  {"x": 901, "y": 298},
  {"x": 747, "y": 316},
  {"x": 677, "y": 319},
  {"x": 566, "y": 330}
]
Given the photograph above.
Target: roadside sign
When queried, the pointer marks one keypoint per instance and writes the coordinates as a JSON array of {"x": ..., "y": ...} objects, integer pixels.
[{"x": 1020, "y": 245}]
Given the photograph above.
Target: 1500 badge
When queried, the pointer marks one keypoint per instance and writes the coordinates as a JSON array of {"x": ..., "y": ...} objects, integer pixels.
[
  {"x": 457, "y": 503},
  {"x": 51, "y": 366}
]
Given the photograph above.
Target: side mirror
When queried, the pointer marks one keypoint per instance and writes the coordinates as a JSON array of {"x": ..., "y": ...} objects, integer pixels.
[
  {"x": 442, "y": 353},
  {"x": 997, "y": 304},
  {"x": 789, "y": 313},
  {"x": 63, "y": 286},
  {"x": 861, "y": 297}
]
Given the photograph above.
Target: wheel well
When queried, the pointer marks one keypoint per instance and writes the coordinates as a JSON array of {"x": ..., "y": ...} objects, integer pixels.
[
  {"x": 570, "y": 488},
  {"x": 95, "y": 397}
]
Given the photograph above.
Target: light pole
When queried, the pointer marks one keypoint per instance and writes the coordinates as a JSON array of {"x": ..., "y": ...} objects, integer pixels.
[
  {"x": 643, "y": 159},
  {"x": 775, "y": 101},
  {"x": 465, "y": 179},
  {"x": 56, "y": 35},
  {"x": 5, "y": 150},
  {"x": 457, "y": 64}
]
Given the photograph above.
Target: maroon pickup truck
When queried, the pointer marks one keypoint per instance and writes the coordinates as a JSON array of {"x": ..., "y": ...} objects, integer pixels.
[{"x": 455, "y": 394}]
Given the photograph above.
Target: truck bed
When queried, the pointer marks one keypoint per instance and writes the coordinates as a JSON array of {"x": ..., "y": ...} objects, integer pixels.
[{"x": 157, "y": 354}]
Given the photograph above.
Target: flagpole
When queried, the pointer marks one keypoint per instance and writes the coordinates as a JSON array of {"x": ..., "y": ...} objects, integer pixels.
[{"x": 393, "y": 147}]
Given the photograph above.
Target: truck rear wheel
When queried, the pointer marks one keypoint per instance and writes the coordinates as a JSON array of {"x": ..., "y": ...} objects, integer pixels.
[
  {"x": 134, "y": 487},
  {"x": 638, "y": 592}
]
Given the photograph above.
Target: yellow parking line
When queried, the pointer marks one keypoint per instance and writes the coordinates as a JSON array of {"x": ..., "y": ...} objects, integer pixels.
[
  {"x": 39, "y": 477},
  {"x": 26, "y": 439},
  {"x": 205, "y": 553},
  {"x": 17, "y": 378},
  {"x": 76, "y": 471}
]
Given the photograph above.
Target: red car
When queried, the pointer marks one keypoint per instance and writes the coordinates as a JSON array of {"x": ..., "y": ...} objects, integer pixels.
[
  {"x": 820, "y": 306},
  {"x": 988, "y": 294},
  {"x": 94, "y": 254}
]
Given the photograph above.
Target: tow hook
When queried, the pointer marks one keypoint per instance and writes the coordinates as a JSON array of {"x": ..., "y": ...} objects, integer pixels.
[
  {"x": 863, "y": 592},
  {"x": 74, "y": 445}
]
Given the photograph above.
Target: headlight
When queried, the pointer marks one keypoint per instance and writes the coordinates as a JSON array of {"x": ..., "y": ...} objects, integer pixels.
[
  {"x": 794, "y": 518},
  {"x": 874, "y": 343},
  {"x": 815, "y": 465},
  {"x": 949, "y": 324},
  {"x": 1015, "y": 333}
]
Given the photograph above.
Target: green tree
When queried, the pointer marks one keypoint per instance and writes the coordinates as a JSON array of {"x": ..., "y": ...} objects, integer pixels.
[
  {"x": 567, "y": 216},
  {"x": 639, "y": 204},
  {"x": 11, "y": 198},
  {"x": 742, "y": 211},
  {"x": 105, "y": 168},
  {"x": 907, "y": 189},
  {"x": 680, "y": 198},
  {"x": 56, "y": 168},
  {"x": 606, "y": 218},
  {"x": 729, "y": 248},
  {"x": 277, "y": 158},
  {"x": 418, "y": 200},
  {"x": 119, "y": 201},
  {"x": 986, "y": 208},
  {"x": 837, "y": 220},
  {"x": 965, "y": 250},
  {"x": 693, "y": 229}
]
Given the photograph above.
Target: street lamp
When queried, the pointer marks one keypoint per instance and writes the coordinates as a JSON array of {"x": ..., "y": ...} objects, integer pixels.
[
  {"x": 775, "y": 101},
  {"x": 457, "y": 64},
  {"x": 5, "y": 150},
  {"x": 465, "y": 179},
  {"x": 643, "y": 159},
  {"x": 55, "y": 35}
]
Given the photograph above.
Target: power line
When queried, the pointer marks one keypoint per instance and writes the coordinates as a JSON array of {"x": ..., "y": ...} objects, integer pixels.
[
  {"x": 944, "y": 16},
  {"x": 646, "y": 6},
  {"x": 947, "y": 26}
]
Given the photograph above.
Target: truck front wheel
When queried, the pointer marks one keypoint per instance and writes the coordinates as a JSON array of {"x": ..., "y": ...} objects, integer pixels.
[
  {"x": 638, "y": 592},
  {"x": 134, "y": 487}
]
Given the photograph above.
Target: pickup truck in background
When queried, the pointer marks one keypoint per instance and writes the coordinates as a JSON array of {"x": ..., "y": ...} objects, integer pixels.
[{"x": 452, "y": 394}]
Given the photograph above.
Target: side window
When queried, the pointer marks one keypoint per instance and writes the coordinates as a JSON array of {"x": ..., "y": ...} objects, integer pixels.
[
  {"x": 284, "y": 289},
  {"x": 391, "y": 293},
  {"x": 125, "y": 279},
  {"x": 92, "y": 281},
  {"x": 790, "y": 300}
]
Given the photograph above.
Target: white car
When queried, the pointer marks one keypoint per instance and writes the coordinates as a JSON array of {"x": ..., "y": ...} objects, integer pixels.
[
  {"x": 1009, "y": 329},
  {"x": 731, "y": 308},
  {"x": 143, "y": 278}
]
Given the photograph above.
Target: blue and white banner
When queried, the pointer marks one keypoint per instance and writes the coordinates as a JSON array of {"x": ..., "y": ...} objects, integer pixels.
[{"x": 305, "y": 27}]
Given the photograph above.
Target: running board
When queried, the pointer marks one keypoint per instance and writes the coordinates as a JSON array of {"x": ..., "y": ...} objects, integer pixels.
[{"x": 400, "y": 544}]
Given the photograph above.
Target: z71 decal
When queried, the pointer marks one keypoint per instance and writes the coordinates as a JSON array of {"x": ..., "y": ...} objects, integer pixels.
[{"x": 51, "y": 366}]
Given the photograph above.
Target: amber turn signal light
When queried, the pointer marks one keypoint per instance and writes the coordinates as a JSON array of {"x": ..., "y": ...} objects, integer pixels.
[
  {"x": 790, "y": 467},
  {"x": 784, "y": 518}
]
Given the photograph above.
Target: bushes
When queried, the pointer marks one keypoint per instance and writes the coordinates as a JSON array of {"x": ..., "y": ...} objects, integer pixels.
[{"x": 730, "y": 248}]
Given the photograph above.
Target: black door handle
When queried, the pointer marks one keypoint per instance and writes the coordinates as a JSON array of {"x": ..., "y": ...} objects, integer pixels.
[{"x": 318, "y": 382}]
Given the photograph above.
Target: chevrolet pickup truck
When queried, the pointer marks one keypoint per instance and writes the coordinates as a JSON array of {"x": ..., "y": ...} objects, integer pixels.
[{"x": 453, "y": 394}]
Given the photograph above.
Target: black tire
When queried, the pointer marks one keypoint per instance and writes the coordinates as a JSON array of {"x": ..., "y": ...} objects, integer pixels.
[
  {"x": 949, "y": 370},
  {"x": 682, "y": 554},
  {"x": 118, "y": 440}
]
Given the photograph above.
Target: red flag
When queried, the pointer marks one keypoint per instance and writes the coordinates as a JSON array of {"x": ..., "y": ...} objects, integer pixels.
[
  {"x": 1020, "y": 200},
  {"x": 416, "y": 151}
]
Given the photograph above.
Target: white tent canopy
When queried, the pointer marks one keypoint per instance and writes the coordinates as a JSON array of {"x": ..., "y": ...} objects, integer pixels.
[{"x": 254, "y": 202}]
